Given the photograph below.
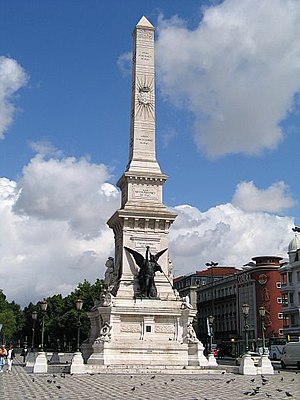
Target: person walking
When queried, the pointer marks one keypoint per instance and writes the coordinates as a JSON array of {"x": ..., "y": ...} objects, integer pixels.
[
  {"x": 24, "y": 354},
  {"x": 3, "y": 354},
  {"x": 10, "y": 357}
]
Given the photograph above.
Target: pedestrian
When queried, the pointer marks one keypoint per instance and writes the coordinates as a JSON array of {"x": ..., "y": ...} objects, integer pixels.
[
  {"x": 24, "y": 354},
  {"x": 10, "y": 357},
  {"x": 3, "y": 354}
]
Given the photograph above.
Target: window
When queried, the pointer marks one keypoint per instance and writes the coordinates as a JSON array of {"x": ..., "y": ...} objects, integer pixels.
[
  {"x": 291, "y": 299},
  {"x": 280, "y": 315},
  {"x": 298, "y": 276},
  {"x": 278, "y": 285},
  {"x": 290, "y": 277},
  {"x": 279, "y": 300},
  {"x": 148, "y": 328}
]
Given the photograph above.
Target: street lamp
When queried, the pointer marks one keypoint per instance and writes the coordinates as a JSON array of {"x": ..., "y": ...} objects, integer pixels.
[
  {"x": 210, "y": 322},
  {"x": 79, "y": 304},
  {"x": 262, "y": 313},
  {"x": 245, "y": 311},
  {"x": 43, "y": 305},
  {"x": 34, "y": 318}
]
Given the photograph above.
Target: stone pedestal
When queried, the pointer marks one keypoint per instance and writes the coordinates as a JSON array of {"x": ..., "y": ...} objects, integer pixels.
[
  {"x": 247, "y": 366},
  {"x": 265, "y": 366},
  {"x": 143, "y": 332},
  {"x": 77, "y": 364},
  {"x": 41, "y": 364},
  {"x": 212, "y": 362}
]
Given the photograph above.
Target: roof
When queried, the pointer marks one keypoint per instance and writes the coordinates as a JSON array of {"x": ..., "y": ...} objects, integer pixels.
[{"x": 218, "y": 271}]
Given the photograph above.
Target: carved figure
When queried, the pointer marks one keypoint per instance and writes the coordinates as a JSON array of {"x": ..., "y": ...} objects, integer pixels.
[
  {"x": 109, "y": 277},
  {"x": 186, "y": 303},
  {"x": 105, "y": 335},
  {"x": 148, "y": 267},
  {"x": 191, "y": 334}
]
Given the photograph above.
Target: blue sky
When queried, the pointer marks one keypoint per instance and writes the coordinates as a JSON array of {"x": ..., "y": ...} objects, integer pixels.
[{"x": 227, "y": 115}]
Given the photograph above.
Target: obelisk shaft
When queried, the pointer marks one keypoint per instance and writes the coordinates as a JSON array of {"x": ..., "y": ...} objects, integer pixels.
[{"x": 142, "y": 154}]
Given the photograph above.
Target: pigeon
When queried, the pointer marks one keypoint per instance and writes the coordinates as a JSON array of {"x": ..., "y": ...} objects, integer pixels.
[
  {"x": 288, "y": 394},
  {"x": 152, "y": 377},
  {"x": 133, "y": 389},
  {"x": 268, "y": 395},
  {"x": 58, "y": 387},
  {"x": 252, "y": 380},
  {"x": 279, "y": 390}
]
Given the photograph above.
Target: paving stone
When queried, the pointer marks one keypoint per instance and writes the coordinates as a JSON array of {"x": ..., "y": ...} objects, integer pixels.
[{"x": 20, "y": 385}]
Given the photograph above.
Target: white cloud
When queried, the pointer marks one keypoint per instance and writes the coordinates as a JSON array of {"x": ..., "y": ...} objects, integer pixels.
[
  {"x": 225, "y": 234},
  {"x": 53, "y": 231},
  {"x": 237, "y": 72},
  {"x": 70, "y": 190},
  {"x": 12, "y": 78},
  {"x": 124, "y": 63},
  {"x": 273, "y": 199}
]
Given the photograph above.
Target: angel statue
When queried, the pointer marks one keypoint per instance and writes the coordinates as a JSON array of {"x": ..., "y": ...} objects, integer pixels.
[{"x": 148, "y": 267}]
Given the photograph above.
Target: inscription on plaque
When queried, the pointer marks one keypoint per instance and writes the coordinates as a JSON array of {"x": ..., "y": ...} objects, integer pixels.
[
  {"x": 145, "y": 139},
  {"x": 147, "y": 193}
]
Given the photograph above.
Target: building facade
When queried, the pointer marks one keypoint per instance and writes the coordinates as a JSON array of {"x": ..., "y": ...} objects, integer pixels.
[
  {"x": 258, "y": 286},
  {"x": 187, "y": 285},
  {"x": 290, "y": 291}
]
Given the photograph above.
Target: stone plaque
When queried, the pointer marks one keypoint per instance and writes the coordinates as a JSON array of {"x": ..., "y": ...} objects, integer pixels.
[{"x": 145, "y": 192}]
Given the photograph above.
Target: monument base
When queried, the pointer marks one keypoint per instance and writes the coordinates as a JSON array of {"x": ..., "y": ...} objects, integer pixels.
[{"x": 152, "y": 333}]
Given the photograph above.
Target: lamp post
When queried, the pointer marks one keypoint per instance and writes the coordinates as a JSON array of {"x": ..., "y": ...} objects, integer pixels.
[
  {"x": 79, "y": 304},
  {"x": 34, "y": 318},
  {"x": 210, "y": 322},
  {"x": 44, "y": 306},
  {"x": 262, "y": 313},
  {"x": 245, "y": 311}
]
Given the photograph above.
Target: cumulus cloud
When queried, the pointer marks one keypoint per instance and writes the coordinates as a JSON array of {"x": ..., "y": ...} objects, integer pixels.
[
  {"x": 273, "y": 199},
  {"x": 12, "y": 78},
  {"x": 238, "y": 72},
  {"x": 53, "y": 231},
  {"x": 68, "y": 189},
  {"x": 225, "y": 234}
]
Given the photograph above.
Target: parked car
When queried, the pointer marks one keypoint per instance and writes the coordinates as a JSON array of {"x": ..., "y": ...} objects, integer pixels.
[
  {"x": 255, "y": 357},
  {"x": 291, "y": 355}
]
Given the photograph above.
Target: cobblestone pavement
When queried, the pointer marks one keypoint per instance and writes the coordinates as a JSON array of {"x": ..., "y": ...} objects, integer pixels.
[{"x": 19, "y": 385}]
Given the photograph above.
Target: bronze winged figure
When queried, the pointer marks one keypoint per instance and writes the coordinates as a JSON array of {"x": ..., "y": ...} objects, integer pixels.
[{"x": 148, "y": 267}]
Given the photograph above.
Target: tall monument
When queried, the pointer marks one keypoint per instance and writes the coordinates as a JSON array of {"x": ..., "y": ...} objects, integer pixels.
[{"x": 141, "y": 320}]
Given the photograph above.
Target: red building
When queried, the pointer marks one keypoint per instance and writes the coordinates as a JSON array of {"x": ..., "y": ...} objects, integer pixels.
[{"x": 267, "y": 286}]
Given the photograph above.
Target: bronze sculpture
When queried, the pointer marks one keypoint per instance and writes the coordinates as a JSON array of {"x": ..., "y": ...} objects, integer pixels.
[{"x": 148, "y": 267}]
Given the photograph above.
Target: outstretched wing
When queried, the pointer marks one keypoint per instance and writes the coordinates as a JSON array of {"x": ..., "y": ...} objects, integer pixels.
[
  {"x": 160, "y": 253},
  {"x": 138, "y": 258}
]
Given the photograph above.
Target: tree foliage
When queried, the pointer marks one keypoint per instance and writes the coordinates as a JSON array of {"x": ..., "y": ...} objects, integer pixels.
[{"x": 61, "y": 318}]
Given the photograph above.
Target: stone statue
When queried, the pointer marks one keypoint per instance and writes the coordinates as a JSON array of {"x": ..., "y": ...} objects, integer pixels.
[
  {"x": 109, "y": 277},
  {"x": 186, "y": 303},
  {"x": 191, "y": 334},
  {"x": 148, "y": 267}
]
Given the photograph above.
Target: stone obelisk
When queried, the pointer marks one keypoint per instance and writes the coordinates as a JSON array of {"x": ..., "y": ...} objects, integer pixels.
[
  {"x": 143, "y": 220},
  {"x": 127, "y": 328}
]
